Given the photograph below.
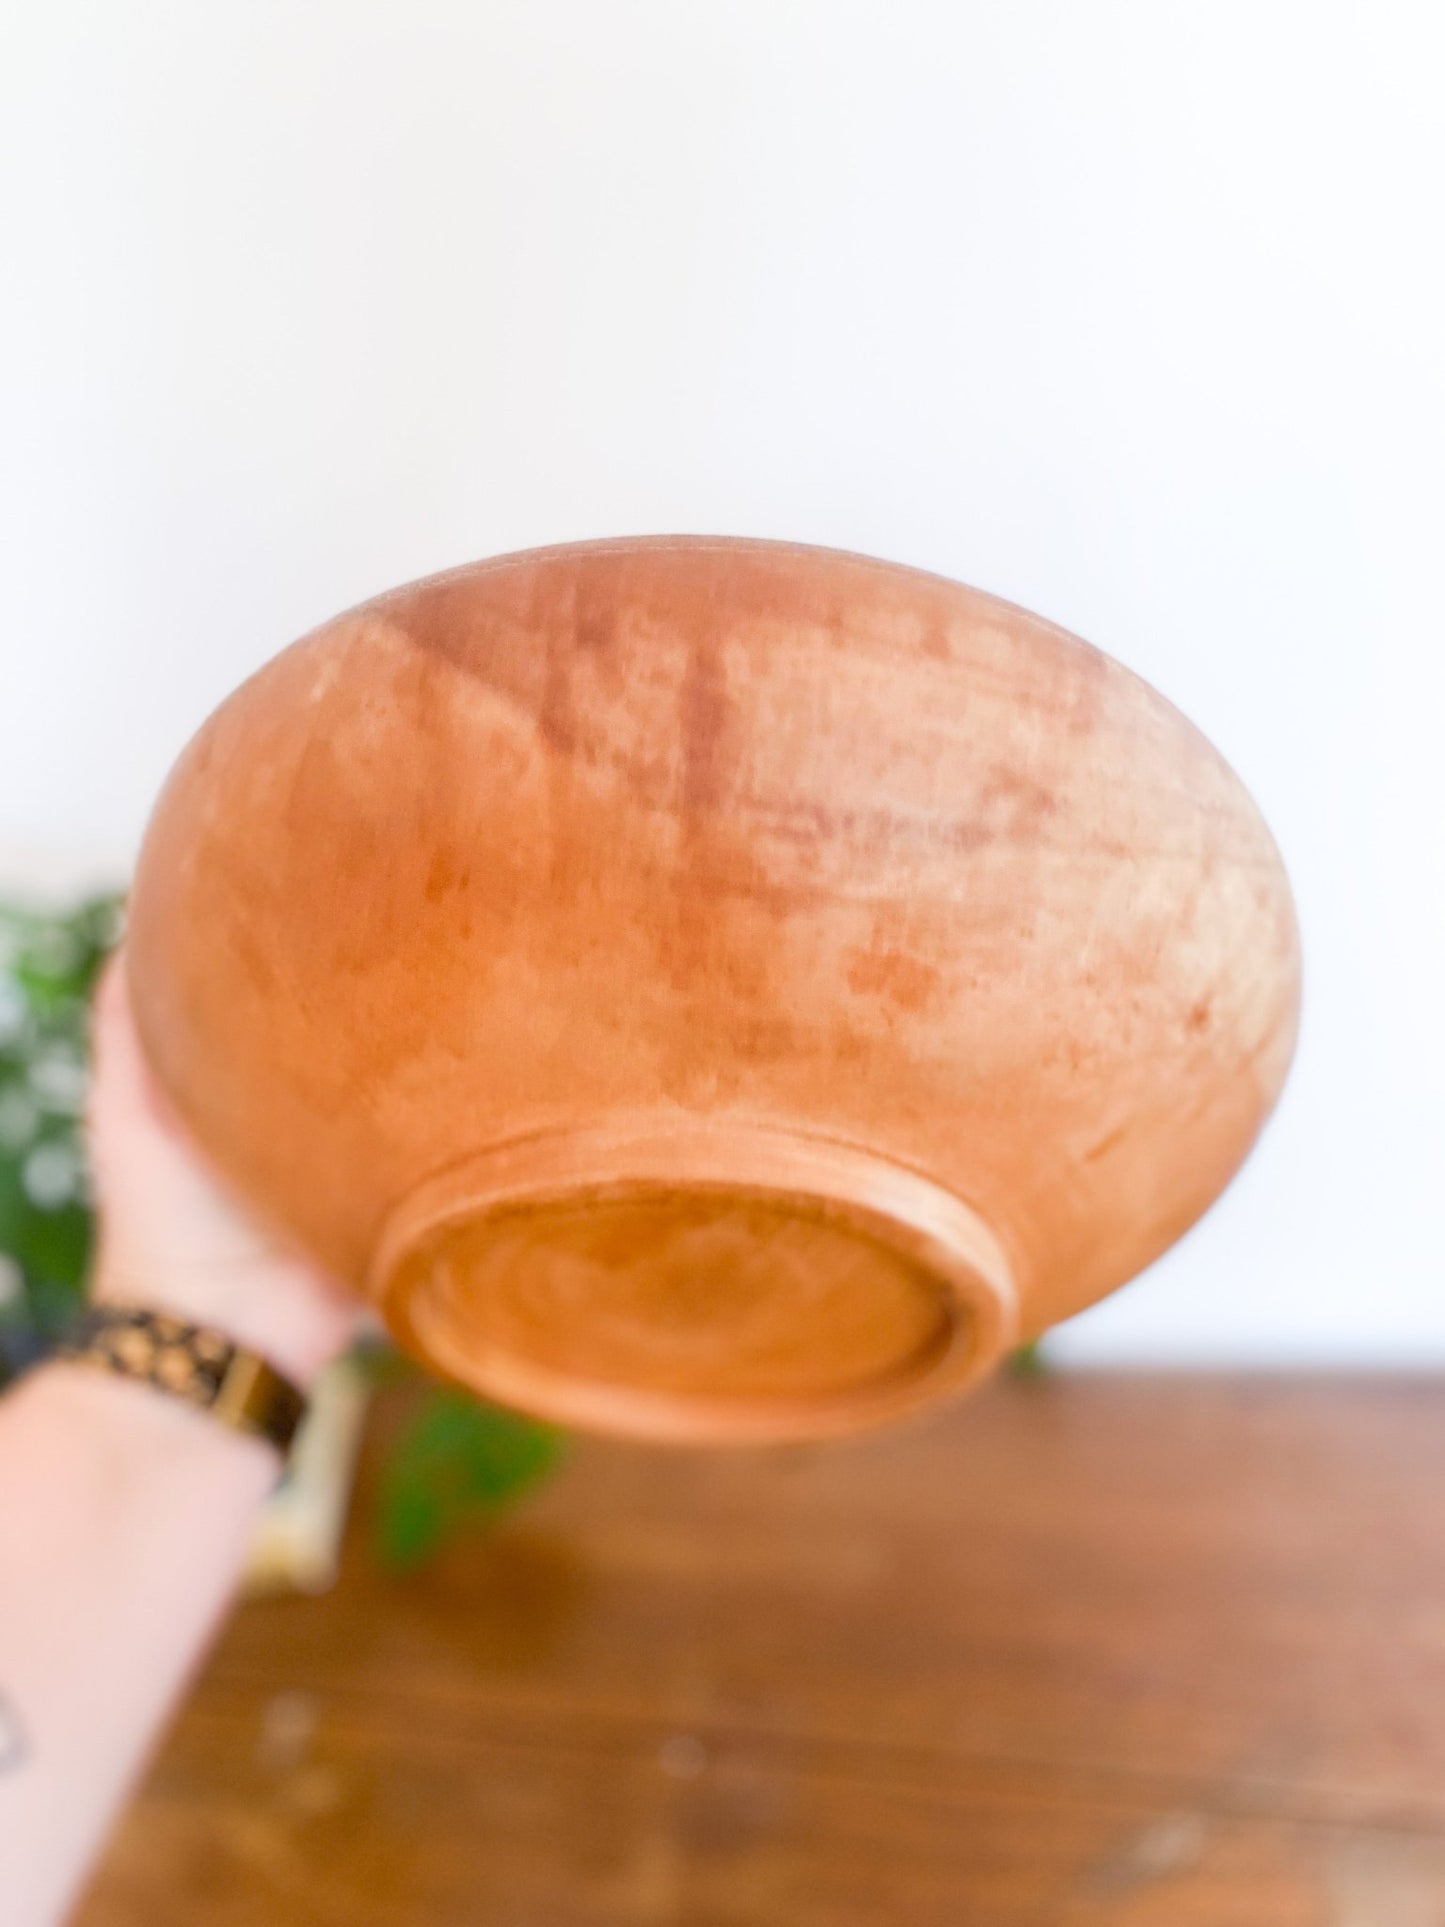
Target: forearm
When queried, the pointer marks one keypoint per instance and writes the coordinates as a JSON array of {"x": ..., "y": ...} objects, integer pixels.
[
  {"x": 124, "y": 1521},
  {"x": 125, "y": 1513}
]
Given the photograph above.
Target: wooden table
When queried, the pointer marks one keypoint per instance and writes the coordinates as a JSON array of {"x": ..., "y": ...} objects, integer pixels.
[{"x": 1136, "y": 1650}]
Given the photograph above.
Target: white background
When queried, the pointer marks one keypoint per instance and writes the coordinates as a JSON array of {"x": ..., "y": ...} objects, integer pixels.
[{"x": 1134, "y": 313}]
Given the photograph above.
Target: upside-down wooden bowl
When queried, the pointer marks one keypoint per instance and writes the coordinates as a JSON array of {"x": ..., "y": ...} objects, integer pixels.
[{"x": 713, "y": 989}]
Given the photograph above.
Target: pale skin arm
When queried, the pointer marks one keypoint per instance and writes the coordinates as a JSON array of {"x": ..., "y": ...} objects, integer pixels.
[{"x": 125, "y": 1515}]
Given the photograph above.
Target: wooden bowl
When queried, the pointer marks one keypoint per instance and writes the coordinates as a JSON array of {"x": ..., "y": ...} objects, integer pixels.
[{"x": 708, "y": 989}]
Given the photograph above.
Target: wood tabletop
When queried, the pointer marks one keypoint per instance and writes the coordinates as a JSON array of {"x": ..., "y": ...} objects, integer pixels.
[{"x": 1153, "y": 1651}]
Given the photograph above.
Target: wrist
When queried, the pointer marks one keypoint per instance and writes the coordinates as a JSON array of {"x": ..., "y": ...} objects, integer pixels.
[
  {"x": 288, "y": 1315},
  {"x": 140, "y": 1434}
]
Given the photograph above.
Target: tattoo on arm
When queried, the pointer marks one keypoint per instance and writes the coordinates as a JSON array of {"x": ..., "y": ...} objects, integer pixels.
[{"x": 14, "y": 1751}]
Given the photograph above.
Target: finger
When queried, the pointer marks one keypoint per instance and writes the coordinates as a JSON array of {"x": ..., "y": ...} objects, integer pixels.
[
  {"x": 117, "y": 1070},
  {"x": 122, "y": 1082},
  {"x": 127, "y": 1117}
]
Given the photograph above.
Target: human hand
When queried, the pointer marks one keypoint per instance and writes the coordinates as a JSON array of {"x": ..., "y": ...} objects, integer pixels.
[{"x": 170, "y": 1238}]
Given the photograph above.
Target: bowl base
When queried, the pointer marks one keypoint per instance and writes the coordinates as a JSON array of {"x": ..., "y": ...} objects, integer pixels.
[{"x": 695, "y": 1282}]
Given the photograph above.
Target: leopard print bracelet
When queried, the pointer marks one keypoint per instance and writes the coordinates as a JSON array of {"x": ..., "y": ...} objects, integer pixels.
[{"x": 202, "y": 1367}]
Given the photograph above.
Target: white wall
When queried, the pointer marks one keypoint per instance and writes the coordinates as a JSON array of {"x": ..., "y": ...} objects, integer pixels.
[{"x": 1132, "y": 311}]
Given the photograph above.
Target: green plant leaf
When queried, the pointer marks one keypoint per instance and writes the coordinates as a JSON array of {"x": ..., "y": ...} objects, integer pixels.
[
  {"x": 413, "y": 1523},
  {"x": 458, "y": 1462},
  {"x": 1028, "y": 1361},
  {"x": 55, "y": 1246}
]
